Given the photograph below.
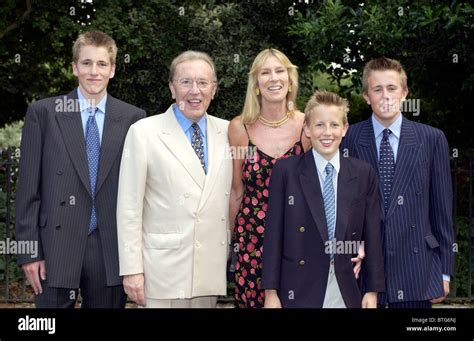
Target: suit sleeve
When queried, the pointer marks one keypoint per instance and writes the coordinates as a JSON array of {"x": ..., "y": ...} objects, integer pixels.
[
  {"x": 28, "y": 198},
  {"x": 441, "y": 201},
  {"x": 373, "y": 263},
  {"x": 274, "y": 229},
  {"x": 131, "y": 191}
]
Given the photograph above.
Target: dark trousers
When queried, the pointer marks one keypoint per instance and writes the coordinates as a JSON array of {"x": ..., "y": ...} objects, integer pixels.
[{"x": 93, "y": 286}]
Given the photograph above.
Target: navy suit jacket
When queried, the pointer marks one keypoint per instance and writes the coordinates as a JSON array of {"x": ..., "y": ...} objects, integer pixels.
[
  {"x": 418, "y": 229},
  {"x": 54, "y": 199},
  {"x": 295, "y": 257}
]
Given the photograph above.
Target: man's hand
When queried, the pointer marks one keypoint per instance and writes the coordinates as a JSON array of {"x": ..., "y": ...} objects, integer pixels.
[
  {"x": 33, "y": 272},
  {"x": 369, "y": 300},
  {"x": 134, "y": 286},
  {"x": 271, "y": 299},
  {"x": 358, "y": 260},
  {"x": 446, "y": 292}
]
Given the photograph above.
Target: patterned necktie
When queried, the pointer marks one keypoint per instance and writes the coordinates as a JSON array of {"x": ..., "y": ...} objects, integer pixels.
[
  {"x": 198, "y": 145},
  {"x": 93, "y": 154},
  {"x": 386, "y": 167},
  {"x": 329, "y": 199}
]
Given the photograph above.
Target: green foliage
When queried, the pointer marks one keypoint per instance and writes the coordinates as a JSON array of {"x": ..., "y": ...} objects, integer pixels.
[
  {"x": 432, "y": 40},
  {"x": 10, "y": 135},
  {"x": 461, "y": 279}
]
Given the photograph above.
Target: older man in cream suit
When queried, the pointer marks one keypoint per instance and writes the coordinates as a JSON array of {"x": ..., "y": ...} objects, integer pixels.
[{"x": 173, "y": 199}]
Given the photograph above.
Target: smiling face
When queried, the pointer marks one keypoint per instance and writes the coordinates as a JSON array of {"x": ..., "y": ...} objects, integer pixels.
[
  {"x": 384, "y": 94},
  {"x": 93, "y": 70},
  {"x": 326, "y": 129},
  {"x": 189, "y": 88},
  {"x": 273, "y": 81}
]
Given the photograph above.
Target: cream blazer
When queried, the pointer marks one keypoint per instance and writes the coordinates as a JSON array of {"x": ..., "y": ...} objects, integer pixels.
[{"x": 172, "y": 218}]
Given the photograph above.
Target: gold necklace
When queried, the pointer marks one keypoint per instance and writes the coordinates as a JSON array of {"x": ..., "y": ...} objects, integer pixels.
[{"x": 274, "y": 124}]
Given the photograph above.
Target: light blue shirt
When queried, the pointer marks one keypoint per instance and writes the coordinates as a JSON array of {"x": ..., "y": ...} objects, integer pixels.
[
  {"x": 394, "y": 137},
  {"x": 186, "y": 125},
  {"x": 86, "y": 109},
  {"x": 321, "y": 163}
]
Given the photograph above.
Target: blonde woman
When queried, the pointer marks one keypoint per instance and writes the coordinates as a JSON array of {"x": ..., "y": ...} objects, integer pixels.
[{"x": 269, "y": 129}]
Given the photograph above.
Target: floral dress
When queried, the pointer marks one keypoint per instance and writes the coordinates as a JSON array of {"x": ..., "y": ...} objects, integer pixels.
[{"x": 250, "y": 224}]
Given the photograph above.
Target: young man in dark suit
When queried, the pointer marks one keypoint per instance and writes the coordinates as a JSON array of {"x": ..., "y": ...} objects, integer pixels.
[
  {"x": 67, "y": 185},
  {"x": 322, "y": 207},
  {"x": 412, "y": 161}
]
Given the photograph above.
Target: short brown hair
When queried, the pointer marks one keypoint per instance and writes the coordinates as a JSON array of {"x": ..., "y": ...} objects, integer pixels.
[
  {"x": 382, "y": 64},
  {"x": 94, "y": 38},
  {"x": 322, "y": 97}
]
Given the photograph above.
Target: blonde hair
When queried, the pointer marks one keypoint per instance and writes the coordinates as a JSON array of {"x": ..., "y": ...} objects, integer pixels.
[
  {"x": 383, "y": 64},
  {"x": 252, "y": 104},
  {"x": 322, "y": 97},
  {"x": 97, "y": 39},
  {"x": 192, "y": 55}
]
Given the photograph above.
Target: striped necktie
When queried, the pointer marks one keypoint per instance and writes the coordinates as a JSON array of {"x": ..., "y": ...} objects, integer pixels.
[
  {"x": 93, "y": 155},
  {"x": 329, "y": 200}
]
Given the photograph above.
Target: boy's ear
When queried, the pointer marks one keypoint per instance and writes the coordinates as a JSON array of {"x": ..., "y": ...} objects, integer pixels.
[
  {"x": 306, "y": 129},
  {"x": 405, "y": 94},
  {"x": 112, "y": 72},
  {"x": 366, "y": 98},
  {"x": 74, "y": 69},
  {"x": 344, "y": 131}
]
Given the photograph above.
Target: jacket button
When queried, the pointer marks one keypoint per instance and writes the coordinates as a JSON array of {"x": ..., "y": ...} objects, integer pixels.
[
  {"x": 415, "y": 250},
  {"x": 301, "y": 262},
  {"x": 412, "y": 226},
  {"x": 59, "y": 172},
  {"x": 186, "y": 195},
  {"x": 58, "y": 227},
  {"x": 302, "y": 229}
]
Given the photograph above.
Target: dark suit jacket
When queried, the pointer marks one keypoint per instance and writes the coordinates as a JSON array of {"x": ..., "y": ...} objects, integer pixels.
[
  {"x": 54, "y": 201},
  {"x": 295, "y": 261},
  {"x": 418, "y": 229}
]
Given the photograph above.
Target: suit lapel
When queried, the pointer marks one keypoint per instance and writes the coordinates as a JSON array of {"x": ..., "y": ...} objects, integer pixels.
[
  {"x": 368, "y": 151},
  {"x": 176, "y": 141},
  {"x": 407, "y": 155},
  {"x": 70, "y": 125},
  {"x": 309, "y": 182},
  {"x": 216, "y": 143},
  {"x": 112, "y": 139},
  {"x": 346, "y": 189}
]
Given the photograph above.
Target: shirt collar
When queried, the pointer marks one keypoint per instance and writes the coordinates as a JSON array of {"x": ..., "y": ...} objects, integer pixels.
[
  {"x": 395, "y": 127},
  {"x": 321, "y": 162},
  {"x": 186, "y": 123},
  {"x": 84, "y": 103}
]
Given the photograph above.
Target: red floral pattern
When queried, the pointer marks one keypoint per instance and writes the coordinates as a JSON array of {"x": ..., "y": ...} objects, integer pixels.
[{"x": 250, "y": 226}]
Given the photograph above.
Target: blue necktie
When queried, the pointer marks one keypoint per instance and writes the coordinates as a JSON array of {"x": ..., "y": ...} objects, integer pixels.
[
  {"x": 198, "y": 146},
  {"x": 93, "y": 154},
  {"x": 386, "y": 167},
  {"x": 329, "y": 199}
]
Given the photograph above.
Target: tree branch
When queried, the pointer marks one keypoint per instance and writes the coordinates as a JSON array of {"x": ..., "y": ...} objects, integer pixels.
[{"x": 16, "y": 23}]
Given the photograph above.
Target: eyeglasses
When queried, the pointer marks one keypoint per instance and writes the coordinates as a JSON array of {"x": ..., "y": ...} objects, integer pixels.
[{"x": 187, "y": 83}]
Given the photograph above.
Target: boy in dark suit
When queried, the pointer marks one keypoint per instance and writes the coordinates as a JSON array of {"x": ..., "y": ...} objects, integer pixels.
[
  {"x": 71, "y": 149},
  {"x": 412, "y": 161},
  {"x": 322, "y": 207}
]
